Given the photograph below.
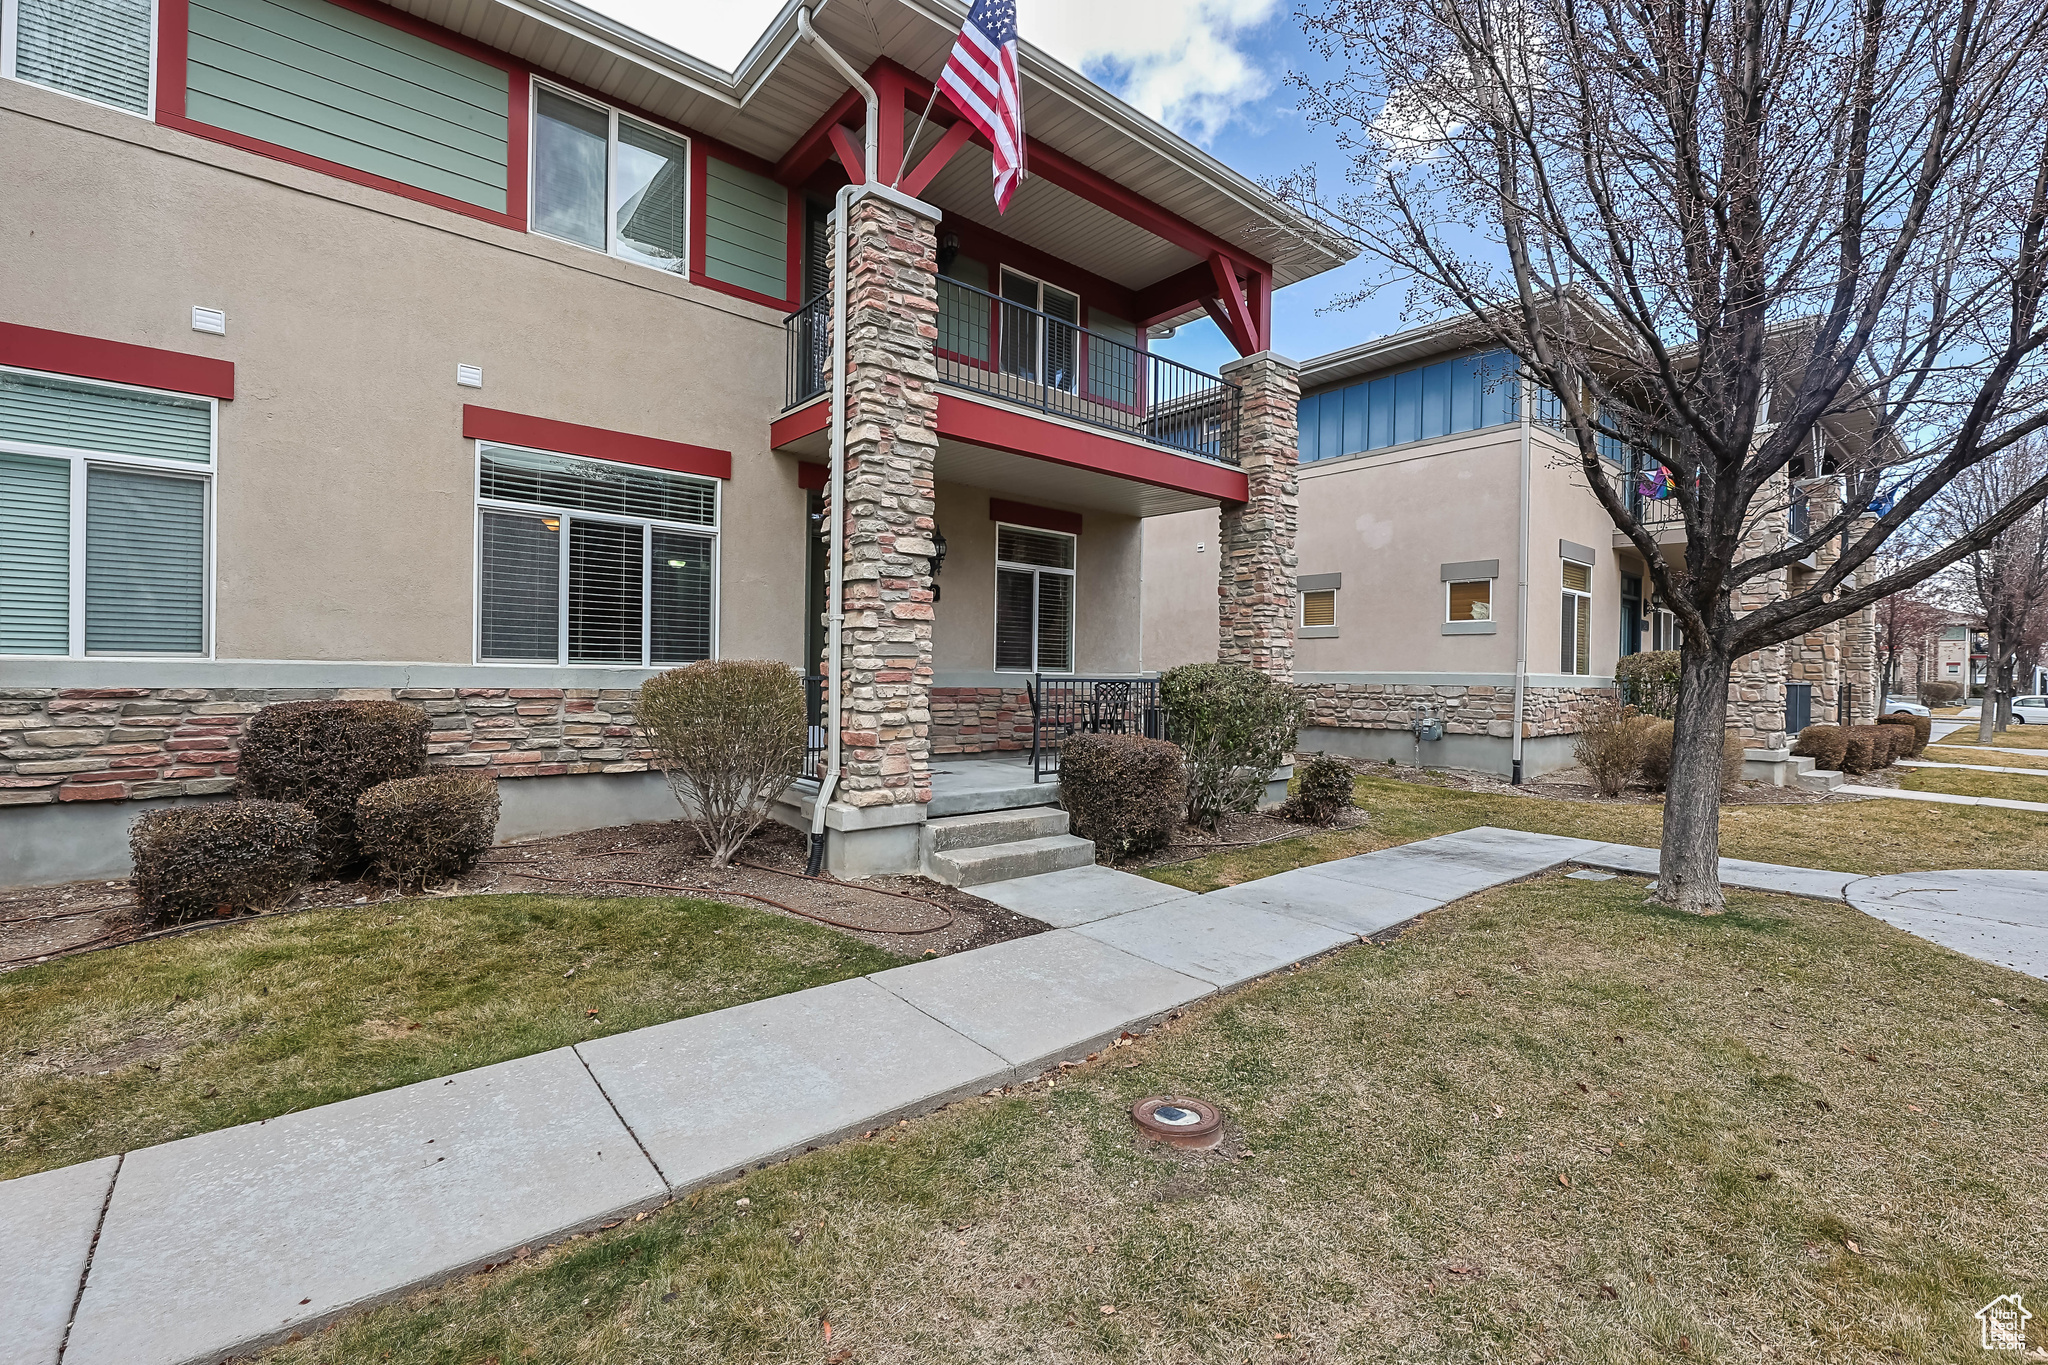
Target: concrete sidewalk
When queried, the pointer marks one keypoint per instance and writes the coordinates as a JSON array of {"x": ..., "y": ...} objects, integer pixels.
[{"x": 229, "y": 1241}]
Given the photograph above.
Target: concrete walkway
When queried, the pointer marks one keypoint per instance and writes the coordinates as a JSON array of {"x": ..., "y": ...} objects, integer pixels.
[
  {"x": 1941, "y": 798},
  {"x": 1974, "y": 747},
  {"x": 229, "y": 1241},
  {"x": 1969, "y": 767}
]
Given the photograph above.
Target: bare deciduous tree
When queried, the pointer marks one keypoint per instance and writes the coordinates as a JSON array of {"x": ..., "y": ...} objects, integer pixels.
[
  {"x": 1751, "y": 242},
  {"x": 1907, "y": 623},
  {"x": 2005, "y": 579}
]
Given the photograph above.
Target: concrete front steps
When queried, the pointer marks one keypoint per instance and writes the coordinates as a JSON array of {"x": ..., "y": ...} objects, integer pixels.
[
  {"x": 999, "y": 845},
  {"x": 1782, "y": 768}
]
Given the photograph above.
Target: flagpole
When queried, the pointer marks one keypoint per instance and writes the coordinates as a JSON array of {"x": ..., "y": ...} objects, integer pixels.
[{"x": 911, "y": 145}]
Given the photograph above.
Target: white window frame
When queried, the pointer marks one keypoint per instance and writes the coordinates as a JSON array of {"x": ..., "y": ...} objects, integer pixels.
[
  {"x": 1038, "y": 325},
  {"x": 611, "y": 176},
  {"x": 10, "y": 14},
  {"x": 1451, "y": 620},
  {"x": 648, "y": 526},
  {"x": 1567, "y": 594},
  {"x": 82, "y": 462},
  {"x": 1073, "y": 602},
  {"x": 1301, "y": 608}
]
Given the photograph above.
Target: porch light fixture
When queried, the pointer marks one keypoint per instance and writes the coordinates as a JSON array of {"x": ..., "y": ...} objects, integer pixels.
[
  {"x": 949, "y": 248},
  {"x": 938, "y": 558}
]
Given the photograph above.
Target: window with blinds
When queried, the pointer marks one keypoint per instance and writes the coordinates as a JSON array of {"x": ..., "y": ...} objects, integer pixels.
[
  {"x": 104, "y": 511},
  {"x": 1034, "y": 601},
  {"x": 96, "y": 49},
  {"x": 1319, "y": 608},
  {"x": 1576, "y": 615},
  {"x": 586, "y": 562},
  {"x": 1471, "y": 601}
]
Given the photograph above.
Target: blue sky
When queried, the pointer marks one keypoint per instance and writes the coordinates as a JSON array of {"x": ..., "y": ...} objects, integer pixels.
[{"x": 1212, "y": 70}]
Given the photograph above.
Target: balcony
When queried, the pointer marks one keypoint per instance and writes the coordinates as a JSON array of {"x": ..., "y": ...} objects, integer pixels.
[
  {"x": 1048, "y": 364},
  {"x": 1661, "y": 517}
]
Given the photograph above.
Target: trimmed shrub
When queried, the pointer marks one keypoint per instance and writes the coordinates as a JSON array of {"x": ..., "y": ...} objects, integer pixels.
[
  {"x": 1883, "y": 745},
  {"x": 1323, "y": 789},
  {"x": 420, "y": 829},
  {"x": 1126, "y": 793},
  {"x": 224, "y": 856},
  {"x": 1940, "y": 693},
  {"x": 1858, "y": 755},
  {"x": 1234, "y": 725},
  {"x": 729, "y": 734},
  {"x": 1902, "y": 738},
  {"x": 1609, "y": 745},
  {"x": 1923, "y": 729},
  {"x": 1824, "y": 744},
  {"x": 1656, "y": 762},
  {"x": 1649, "y": 682},
  {"x": 323, "y": 755}
]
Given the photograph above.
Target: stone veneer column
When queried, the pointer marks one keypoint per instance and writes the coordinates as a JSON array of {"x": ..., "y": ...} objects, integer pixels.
[
  {"x": 1256, "y": 564},
  {"x": 1756, "y": 685},
  {"x": 1817, "y": 656},
  {"x": 1859, "y": 642},
  {"x": 892, "y": 409}
]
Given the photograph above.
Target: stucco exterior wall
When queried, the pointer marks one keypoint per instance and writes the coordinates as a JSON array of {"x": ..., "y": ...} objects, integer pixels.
[
  {"x": 345, "y": 489},
  {"x": 1563, "y": 507},
  {"x": 1106, "y": 591},
  {"x": 1180, "y": 578}
]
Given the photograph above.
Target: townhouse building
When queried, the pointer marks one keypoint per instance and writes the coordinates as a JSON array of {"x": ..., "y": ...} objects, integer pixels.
[
  {"x": 474, "y": 353},
  {"x": 1457, "y": 574}
]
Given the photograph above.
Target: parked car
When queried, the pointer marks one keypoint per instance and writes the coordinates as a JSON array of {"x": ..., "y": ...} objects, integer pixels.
[
  {"x": 2030, "y": 710},
  {"x": 1909, "y": 705}
]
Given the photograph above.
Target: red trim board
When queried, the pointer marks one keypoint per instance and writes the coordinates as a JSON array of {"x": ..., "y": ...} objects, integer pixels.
[
  {"x": 805, "y": 421},
  {"x": 1030, "y": 514},
  {"x": 1000, "y": 429},
  {"x": 118, "y": 362},
  {"x": 569, "y": 438}
]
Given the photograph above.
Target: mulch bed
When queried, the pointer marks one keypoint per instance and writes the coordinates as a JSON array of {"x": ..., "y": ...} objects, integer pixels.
[{"x": 37, "y": 923}]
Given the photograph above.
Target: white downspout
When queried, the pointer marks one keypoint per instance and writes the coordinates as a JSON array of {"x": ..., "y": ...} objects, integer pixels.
[
  {"x": 842, "y": 210},
  {"x": 1522, "y": 590}
]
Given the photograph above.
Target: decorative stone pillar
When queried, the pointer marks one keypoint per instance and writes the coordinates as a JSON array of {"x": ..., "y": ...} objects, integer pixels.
[
  {"x": 1817, "y": 655},
  {"x": 892, "y": 406},
  {"x": 1859, "y": 642},
  {"x": 1756, "y": 684},
  {"x": 1256, "y": 564}
]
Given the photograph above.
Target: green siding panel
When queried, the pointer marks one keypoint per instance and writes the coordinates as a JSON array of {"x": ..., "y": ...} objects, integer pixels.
[
  {"x": 44, "y": 410},
  {"x": 35, "y": 555},
  {"x": 746, "y": 229},
  {"x": 322, "y": 80},
  {"x": 145, "y": 563},
  {"x": 95, "y": 48}
]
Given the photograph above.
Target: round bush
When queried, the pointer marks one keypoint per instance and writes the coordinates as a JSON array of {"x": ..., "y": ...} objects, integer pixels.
[
  {"x": 1656, "y": 763},
  {"x": 1824, "y": 744},
  {"x": 1940, "y": 693},
  {"x": 1234, "y": 725},
  {"x": 1323, "y": 789},
  {"x": 1858, "y": 750},
  {"x": 1649, "y": 681},
  {"x": 1125, "y": 793},
  {"x": 1609, "y": 745},
  {"x": 419, "y": 829},
  {"x": 729, "y": 735},
  {"x": 221, "y": 857},
  {"x": 323, "y": 755},
  {"x": 1884, "y": 748},
  {"x": 1923, "y": 729}
]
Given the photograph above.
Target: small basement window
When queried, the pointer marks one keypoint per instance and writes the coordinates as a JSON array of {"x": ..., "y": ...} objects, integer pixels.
[
  {"x": 1469, "y": 601},
  {"x": 1319, "y": 608}
]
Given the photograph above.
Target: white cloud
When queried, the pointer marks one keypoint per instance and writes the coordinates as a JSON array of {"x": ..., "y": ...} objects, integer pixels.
[{"x": 1184, "y": 62}]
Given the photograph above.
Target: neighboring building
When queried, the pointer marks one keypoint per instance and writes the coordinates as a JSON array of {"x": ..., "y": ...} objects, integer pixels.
[
  {"x": 478, "y": 362},
  {"x": 1414, "y": 531}
]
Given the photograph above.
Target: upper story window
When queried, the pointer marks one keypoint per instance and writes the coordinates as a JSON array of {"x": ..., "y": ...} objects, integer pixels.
[
  {"x": 588, "y": 562},
  {"x": 100, "y": 50},
  {"x": 609, "y": 182},
  {"x": 1466, "y": 393},
  {"x": 1043, "y": 349},
  {"x": 105, "y": 501}
]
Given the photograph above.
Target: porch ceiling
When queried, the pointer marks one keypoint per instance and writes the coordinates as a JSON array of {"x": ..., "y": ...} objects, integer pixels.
[{"x": 1033, "y": 480}]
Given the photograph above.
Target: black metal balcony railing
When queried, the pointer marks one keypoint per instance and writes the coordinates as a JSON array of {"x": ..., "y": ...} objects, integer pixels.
[
  {"x": 1064, "y": 706},
  {"x": 1026, "y": 356},
  {"x": 807, "y": 344},
  {"x": 1638, "y": 494}
]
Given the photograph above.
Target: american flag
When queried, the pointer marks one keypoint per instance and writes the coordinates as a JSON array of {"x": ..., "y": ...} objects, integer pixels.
[{"x": 981, "y": 80}]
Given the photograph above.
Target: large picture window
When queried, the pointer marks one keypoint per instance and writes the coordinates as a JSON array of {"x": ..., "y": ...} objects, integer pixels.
[
  {"x": 587, "y": 562},
  {"x": 609, "y": 182},
  {"x": 105, "y": 504},
  {"x": 1034, "y": 601}
]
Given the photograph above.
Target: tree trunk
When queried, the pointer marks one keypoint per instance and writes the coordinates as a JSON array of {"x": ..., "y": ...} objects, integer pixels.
[
  {"x": 1987, "y": 709},
  {"x": 1689, "y": 875}
]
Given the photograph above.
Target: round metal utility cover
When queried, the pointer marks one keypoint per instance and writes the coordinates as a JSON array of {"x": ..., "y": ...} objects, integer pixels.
[{"x": 1181, "y": 1121}]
